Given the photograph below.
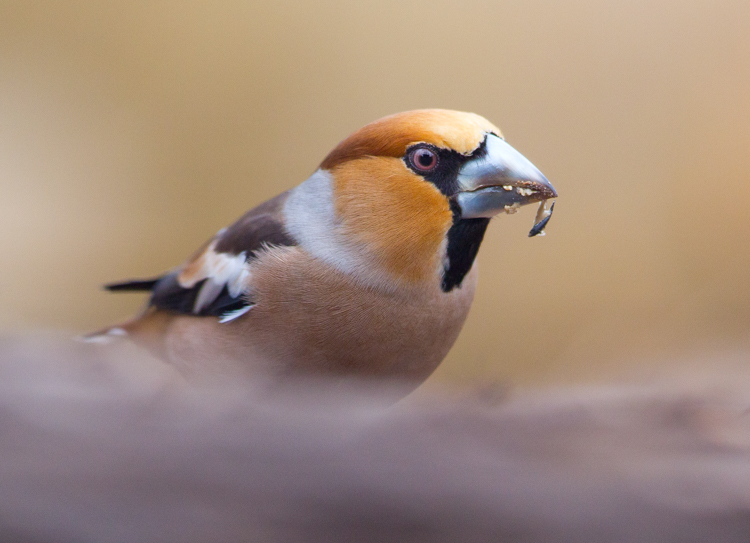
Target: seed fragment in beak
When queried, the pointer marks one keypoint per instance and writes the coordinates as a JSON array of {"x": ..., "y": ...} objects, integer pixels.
[{"x": 542, "y": 218}]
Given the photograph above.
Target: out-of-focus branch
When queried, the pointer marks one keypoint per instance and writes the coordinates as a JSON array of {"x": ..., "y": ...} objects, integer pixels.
[{"x": 97, "y": 446}]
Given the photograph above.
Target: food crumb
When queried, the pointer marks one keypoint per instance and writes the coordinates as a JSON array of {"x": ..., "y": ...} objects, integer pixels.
[
  {"x": 512, "y": 208},
  {"x": 524, "y": 192}
]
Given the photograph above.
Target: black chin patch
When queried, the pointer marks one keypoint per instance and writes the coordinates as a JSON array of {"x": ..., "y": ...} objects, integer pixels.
[
  {"x": 465, "y": 236},
  {"x": 464, "y": 239}
]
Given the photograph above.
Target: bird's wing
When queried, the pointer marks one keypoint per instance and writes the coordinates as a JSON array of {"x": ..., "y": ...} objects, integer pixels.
[{"x": 212, "y": 281}]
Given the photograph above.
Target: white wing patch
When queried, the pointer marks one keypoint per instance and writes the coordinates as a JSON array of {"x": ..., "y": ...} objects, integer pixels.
[
  {"x": 231, "y": 315},
  {"x": 103, "y": 337},
  {"x": 219, "y": 270}
]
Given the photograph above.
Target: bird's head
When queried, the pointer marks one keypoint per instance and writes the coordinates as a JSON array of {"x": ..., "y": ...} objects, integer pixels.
[{"x": 407, "y": 198}]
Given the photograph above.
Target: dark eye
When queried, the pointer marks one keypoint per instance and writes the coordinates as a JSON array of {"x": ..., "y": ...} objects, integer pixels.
[{"x": 423, "y": 159}]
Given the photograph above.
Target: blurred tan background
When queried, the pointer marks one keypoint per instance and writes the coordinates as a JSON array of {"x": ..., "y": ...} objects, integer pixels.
[{"x": 132, "y": 131}]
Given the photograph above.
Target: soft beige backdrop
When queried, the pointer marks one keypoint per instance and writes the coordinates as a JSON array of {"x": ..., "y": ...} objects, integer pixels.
[{"x": 132, "y": 131}]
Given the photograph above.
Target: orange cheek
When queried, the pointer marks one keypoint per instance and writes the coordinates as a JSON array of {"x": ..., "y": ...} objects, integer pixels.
[{"x": 399, "y": 217}]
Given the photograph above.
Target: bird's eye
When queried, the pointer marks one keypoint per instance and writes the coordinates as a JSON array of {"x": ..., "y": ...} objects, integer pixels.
[{"x": 423, "y": 159}]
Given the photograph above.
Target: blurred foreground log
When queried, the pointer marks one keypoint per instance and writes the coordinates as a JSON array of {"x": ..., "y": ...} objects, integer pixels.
[{"x": 109, "y": 447}]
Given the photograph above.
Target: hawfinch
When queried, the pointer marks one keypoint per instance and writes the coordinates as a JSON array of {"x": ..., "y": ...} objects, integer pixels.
[{"x": 364, "y": 269}]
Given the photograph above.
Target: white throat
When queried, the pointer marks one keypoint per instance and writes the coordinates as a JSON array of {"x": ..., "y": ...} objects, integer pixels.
[{"x": 310, "y": 218}]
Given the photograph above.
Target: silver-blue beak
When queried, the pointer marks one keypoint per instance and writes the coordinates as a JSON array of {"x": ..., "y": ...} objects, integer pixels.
[{"x": 500, "y": 181}]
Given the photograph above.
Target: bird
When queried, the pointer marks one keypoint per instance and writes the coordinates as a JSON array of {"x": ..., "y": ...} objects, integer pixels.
[{"x": 365, "y": 269}]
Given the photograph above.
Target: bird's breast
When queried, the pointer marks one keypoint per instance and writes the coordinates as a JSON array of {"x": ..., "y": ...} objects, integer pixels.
[{"x": 311, "y": 318}]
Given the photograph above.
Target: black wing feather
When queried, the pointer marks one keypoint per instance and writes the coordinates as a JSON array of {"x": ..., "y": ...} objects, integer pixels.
[
  {"x": 258, "y": 227},
  {"x": 133, "y": 285},
  {"x": 170, "y": 296}
]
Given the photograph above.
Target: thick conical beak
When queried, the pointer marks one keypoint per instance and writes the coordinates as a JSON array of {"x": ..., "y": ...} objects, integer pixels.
[{"x": 501, "y": 180}]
